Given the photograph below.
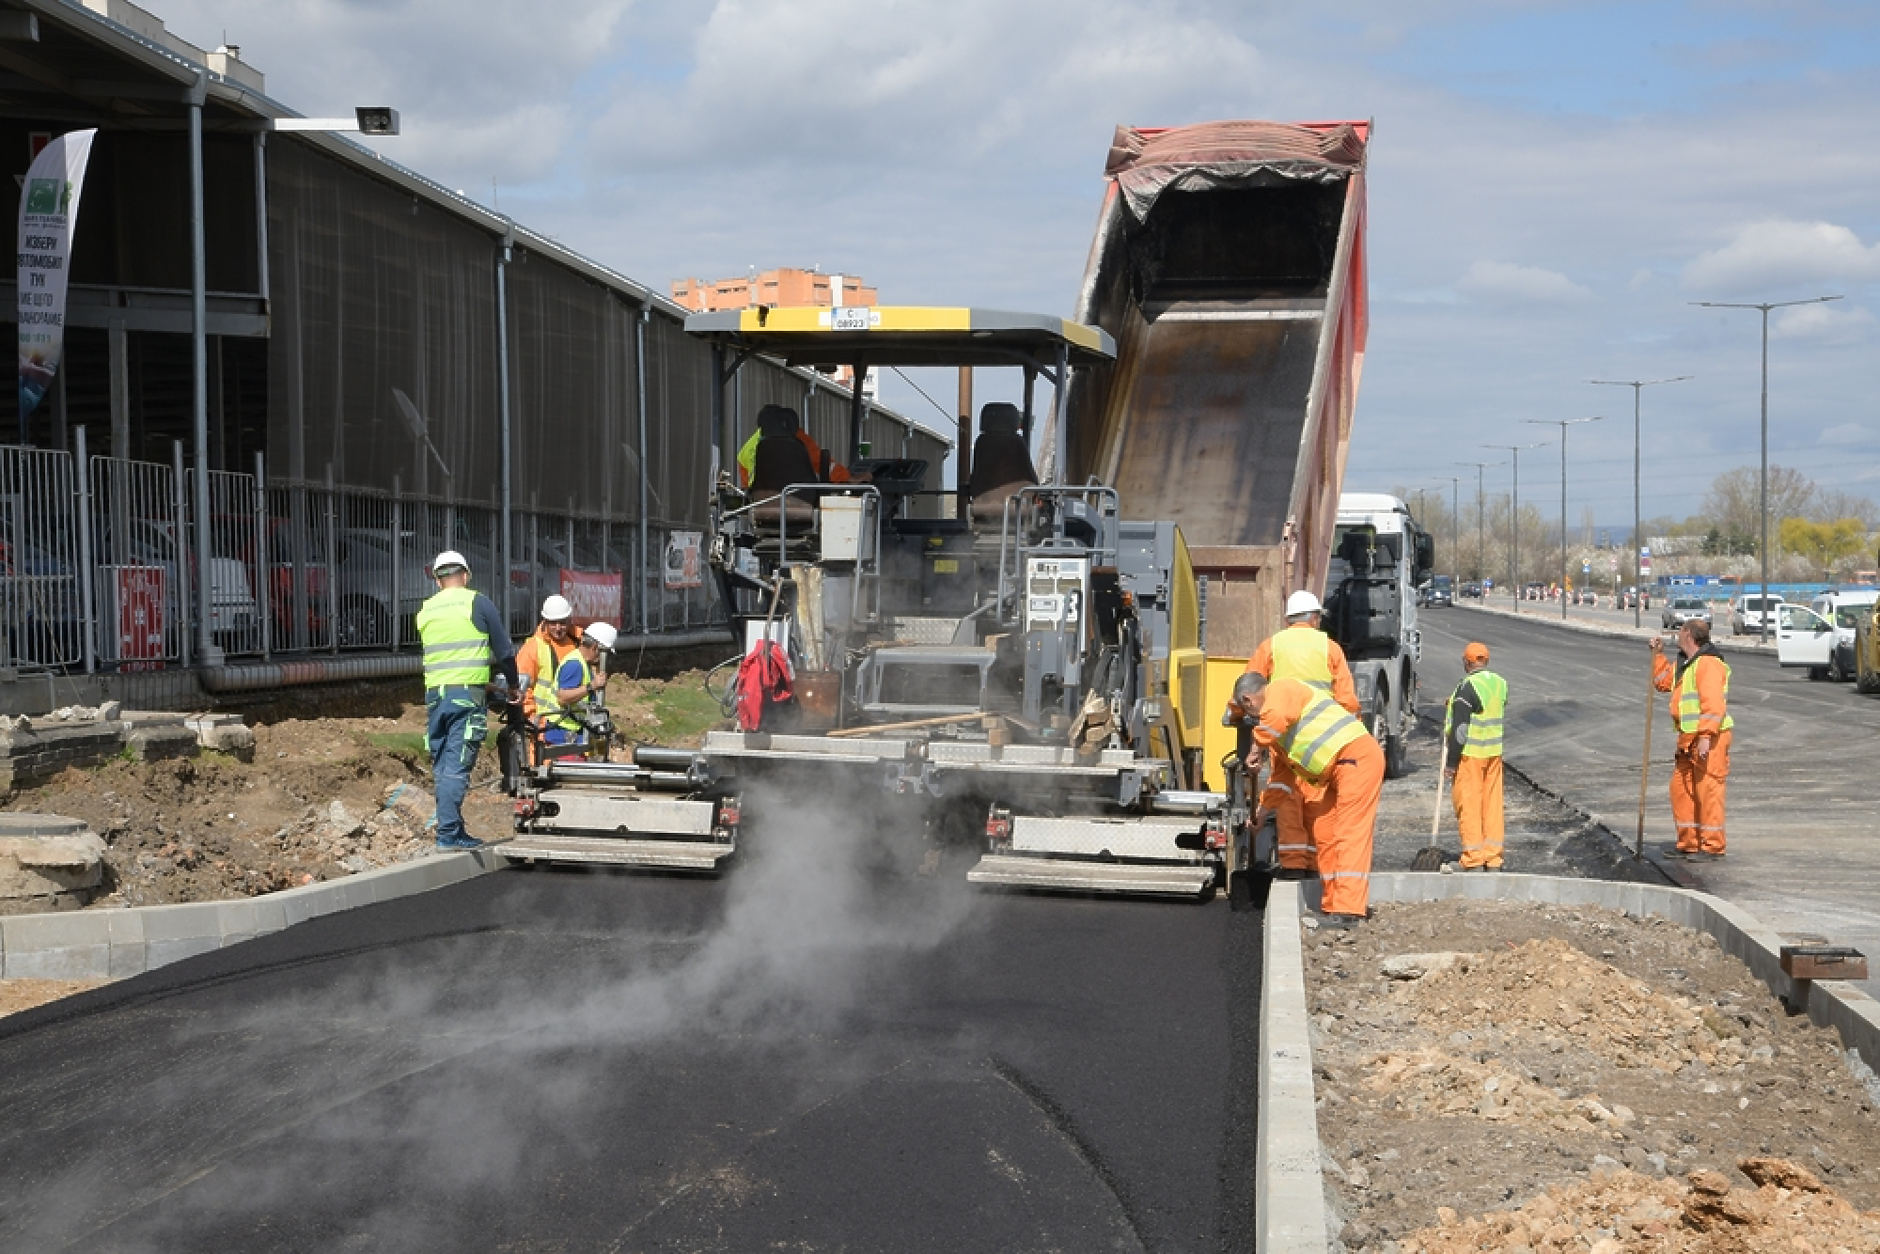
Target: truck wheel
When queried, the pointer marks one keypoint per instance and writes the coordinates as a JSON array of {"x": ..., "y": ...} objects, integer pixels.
[
  {"x": 1396, "y": 756},
  {"x": 1866, "y": 681},
  {"x": 1835, "y": 672}
]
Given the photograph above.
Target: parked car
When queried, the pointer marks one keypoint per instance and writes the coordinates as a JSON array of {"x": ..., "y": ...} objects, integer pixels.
[
  {"x": 1754, "y": 612},
  {"x": 1439, "y": 591},
  {"x": 1682, "y": 610},
  {"x": 1472, "y": 589},
  {"x": 1845, "y": 608},
  {"x": 152, "y": 542}
]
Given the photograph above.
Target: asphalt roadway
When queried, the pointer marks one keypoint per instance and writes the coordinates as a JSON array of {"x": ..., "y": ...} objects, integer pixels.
[
  {"x": 810, "y": 1053},
  {"x": 1802, "y": 822}
]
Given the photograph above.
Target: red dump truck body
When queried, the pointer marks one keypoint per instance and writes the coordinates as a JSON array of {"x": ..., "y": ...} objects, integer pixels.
[{"x": 1229, "y": 265}]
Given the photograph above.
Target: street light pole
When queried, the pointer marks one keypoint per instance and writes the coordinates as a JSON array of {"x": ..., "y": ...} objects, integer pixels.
[
  {"x": 1765, "y": 307},
  {"x": 1481, "y": 547},
  {"x": 1638, "y": 523},
  {"x": 1514, "y": 520},
  {"x": 1563, "y": 424},
  {"x": 1455, "y": 524}
]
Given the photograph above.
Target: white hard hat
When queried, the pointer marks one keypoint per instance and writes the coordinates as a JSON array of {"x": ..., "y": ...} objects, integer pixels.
[
  {"x": 1302, "y": 602},
  {"x": 447, "y": 561},
  {"x": 555, "y": 608},
  {"x": 602, "y": 634}
]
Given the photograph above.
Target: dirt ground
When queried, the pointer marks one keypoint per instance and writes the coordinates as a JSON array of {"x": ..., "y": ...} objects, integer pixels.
[
  {"x": 323, "y": 798},
  {"x": 1507, "y": 1076}
]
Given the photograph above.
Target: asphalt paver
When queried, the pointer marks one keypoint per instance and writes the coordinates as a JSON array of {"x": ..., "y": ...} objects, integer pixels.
[{"x": 813, "y": 1052}]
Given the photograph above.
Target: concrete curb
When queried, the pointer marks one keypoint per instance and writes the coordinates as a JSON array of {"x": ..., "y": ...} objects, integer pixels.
[
  {"x": 1288, "y": 1178},
  {"x": 112, "y": 944},
  {"x": 1289, "y": 1187}
]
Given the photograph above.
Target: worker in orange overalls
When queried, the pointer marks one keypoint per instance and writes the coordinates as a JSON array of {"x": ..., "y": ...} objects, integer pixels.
[
  {"x": 553, "y": 642},
  {"x": 1301, "y": 651},
  {"x": 1472, "y": 725},
  {"x": 1700, "y": 693},
  {"x": 1338, "y": 769}
]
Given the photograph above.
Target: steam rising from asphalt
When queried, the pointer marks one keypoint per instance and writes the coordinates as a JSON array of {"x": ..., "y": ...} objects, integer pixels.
[{"x": 820, "y": 910}]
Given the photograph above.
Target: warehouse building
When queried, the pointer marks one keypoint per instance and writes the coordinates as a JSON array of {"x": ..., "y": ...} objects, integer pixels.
[{"x": 387, "y": 369}]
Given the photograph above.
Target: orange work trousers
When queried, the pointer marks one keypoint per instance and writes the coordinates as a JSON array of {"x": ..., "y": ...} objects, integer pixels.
[
  {"x": 1476, "y": 794},
  {"x": 1343, "y": 821},
  {"x": 1697, "y": 786},
  {"x": 1282, "y": 796}
]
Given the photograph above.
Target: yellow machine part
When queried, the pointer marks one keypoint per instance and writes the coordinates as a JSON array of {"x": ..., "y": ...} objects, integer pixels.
[
  {"x": 1217, "y": 741},
  {"x": 1187, "y": 667}
]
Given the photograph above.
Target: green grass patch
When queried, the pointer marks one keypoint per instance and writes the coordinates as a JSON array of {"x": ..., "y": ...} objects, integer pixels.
[
  {"x": 402, "y": 743},
  {"x": 684, "y": 710}
]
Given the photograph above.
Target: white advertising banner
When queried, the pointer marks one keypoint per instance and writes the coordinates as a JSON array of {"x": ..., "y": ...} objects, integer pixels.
[{"x": 48, "y": 212}]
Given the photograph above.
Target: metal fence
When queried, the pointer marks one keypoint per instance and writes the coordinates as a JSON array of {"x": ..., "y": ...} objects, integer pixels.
[{"x": 99, "y": 571}]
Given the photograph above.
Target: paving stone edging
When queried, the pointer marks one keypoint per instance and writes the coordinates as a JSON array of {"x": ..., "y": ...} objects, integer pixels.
[
  {"x": 1288, "y": 1181},
  {"x": 1288, "y": 1186},
  {"x": 113, "y": 944}
]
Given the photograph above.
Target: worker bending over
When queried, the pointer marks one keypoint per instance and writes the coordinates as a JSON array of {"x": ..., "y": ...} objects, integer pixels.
[
  {"x": 581, "y": 674},
  {"x": 1472, "y": 730},
  {"x": 1700, "y": 693},
  {"x": 1300, "y": 651},
  {"x": 464, "y": 640},
  {"x": 1338, "y": 772}
]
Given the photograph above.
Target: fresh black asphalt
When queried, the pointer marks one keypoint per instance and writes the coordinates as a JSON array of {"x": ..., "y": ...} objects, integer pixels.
[{"x": 809, "y": 1053}]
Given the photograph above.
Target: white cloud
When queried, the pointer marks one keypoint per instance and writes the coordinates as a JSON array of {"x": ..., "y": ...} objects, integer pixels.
[
  {"x": 1503, "y": 282},
  {"x": 1848, "y": 433},
  {"x": 1830, "y": 324},
  {"x": 1783, "y": 253}
]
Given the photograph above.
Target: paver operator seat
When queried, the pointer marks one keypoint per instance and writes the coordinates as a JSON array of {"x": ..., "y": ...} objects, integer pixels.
[
  {"x": 781, "y": 460},
  {"x": 1001, "y": 460}
]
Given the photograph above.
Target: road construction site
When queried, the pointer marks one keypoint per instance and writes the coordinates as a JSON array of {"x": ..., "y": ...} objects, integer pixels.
[{"x": 844, "y": 1050}]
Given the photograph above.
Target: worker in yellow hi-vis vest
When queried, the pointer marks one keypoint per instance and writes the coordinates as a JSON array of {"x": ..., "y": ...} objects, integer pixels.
[
  {"x": 1301, "y": 651},
  {"x": 1472, "y": 731}
]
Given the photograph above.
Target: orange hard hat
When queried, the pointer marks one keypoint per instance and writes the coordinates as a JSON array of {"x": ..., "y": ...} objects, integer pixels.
[{"x": 1475, "y": 652}]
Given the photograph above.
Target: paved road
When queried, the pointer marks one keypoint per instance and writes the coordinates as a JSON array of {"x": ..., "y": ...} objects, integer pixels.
[
  {"x": 1802, "y": 822},
  {"x": 803, "y": 1055}
]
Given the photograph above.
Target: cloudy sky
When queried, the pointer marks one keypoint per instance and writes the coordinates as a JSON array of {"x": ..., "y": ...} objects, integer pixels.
[{"x": 1552, "y": 184}]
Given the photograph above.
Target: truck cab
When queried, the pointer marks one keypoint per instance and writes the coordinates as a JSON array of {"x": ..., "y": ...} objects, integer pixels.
[{"x": 1379, "y": 558}]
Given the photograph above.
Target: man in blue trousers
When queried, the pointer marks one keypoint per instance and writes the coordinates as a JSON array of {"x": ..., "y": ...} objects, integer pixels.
[{"x": 464, "y": 640}]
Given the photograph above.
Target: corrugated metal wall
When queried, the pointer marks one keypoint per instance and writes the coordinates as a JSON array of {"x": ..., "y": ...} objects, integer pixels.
[{"x": 377, "y": 294}]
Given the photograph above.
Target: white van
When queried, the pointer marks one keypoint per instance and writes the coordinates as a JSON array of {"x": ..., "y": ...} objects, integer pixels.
[{"x": 1820, "y": 636}]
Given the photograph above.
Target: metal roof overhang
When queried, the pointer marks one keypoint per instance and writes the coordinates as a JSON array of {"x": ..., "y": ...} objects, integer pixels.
[{"x": 907, "y": 335}]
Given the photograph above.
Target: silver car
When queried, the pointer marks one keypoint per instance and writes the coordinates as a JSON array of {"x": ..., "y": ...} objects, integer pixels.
[
  {"x": 1682, "y": 610},
  {"x": 1754, "y": 612}
]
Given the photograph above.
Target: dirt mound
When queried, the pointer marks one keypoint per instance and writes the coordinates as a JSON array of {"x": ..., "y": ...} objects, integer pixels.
[
  {"x": 1548, "y": 982},
  {"x": 1430, "y": 1081},
  {"x": 1788, "y": 1209}
]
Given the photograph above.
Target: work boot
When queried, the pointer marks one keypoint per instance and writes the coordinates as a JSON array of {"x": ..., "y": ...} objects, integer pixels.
[{"x": 458, "y": 842}]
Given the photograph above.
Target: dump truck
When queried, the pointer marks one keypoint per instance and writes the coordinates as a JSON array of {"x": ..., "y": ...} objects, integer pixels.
[
  {"x": 1026, "y": 665},
  {"x": 1379, "y": 559}
]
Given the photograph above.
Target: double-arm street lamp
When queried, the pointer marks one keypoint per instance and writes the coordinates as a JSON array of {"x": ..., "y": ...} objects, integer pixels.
[
  {"x": 1765, "y": 307},
  {"x": 1563, "y": 424},
  {"x": 1638, "y": 523},
  {"x": 1514, "y": 519}
]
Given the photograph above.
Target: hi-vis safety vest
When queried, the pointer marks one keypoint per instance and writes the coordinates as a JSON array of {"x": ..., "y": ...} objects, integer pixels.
[
  {"x": 546, "y": 664},
  {"x": 455, "y": 652},
  {"x": 1484, "y": 728},
  {"x": 1322, "y": 730},
  {"x": 1301, "y": 653},
  {"x": 548, "y": 706},
  {"x": 1690, "y": 708}
]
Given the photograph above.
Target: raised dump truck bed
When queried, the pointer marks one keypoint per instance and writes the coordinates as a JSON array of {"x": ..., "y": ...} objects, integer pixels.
[{"x": 1229, "y": 267}]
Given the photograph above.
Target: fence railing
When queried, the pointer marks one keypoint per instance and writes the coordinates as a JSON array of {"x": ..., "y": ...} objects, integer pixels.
[{"x": 99, "y": 568}]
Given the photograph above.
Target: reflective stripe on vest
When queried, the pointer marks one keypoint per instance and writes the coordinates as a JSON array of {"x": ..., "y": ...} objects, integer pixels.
[
  {"x": 455, "y": 652},
  {"x": 1322, "y": 730},
  {"x": 546, "y": 664},
  {"x": 1485, "y": 728},
  {"x": 1302, "y": 653},
  {"x": 550, "y": 709},
  {"x": 1690, "y": 708}
]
